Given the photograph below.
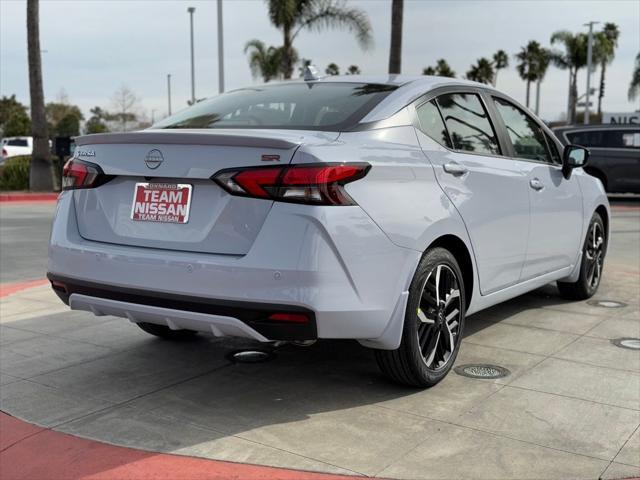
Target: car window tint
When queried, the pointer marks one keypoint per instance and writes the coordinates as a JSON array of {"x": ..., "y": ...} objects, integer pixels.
[
  {"x": 525, "y": 134},
  {"x": 332, "y": 106},
  {"x": 468, "y": 123},
  {"x": 432, "y": 124},
  {"x": 609, "y": 138},
  {"x": 555, "y": 154},
  {"x": 18, "y": 142}
]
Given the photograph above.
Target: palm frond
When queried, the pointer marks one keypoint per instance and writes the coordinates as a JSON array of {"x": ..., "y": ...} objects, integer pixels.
[{"x": 320, "y": 14}]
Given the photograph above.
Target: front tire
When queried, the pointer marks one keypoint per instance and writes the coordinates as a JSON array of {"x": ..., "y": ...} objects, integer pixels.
[
  {"x": 433, "y": 324},
  {"x": 165, "y": 332},
  {"x": 593, "y": 252}
]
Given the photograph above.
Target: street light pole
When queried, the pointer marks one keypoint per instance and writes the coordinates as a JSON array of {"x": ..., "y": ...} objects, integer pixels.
[
  {"x": 169, "y": 91},
  {"x": 193, "y": 80},
  {"x": 589, "y": 61},
  {"x": 220, "y": 50}
]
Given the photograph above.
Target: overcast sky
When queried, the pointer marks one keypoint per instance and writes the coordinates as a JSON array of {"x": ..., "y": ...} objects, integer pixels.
[{"x": 95, "y": 46}]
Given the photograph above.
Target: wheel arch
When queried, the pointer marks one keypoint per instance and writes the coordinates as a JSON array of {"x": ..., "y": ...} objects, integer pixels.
[
  {"x": 604, "y": 214},
  {"x": 459, "y": 250}
]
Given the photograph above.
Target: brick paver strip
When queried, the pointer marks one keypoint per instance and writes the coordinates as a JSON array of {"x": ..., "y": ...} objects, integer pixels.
[
  {"x": 30, "y": 452},
  {"x": 11, "y": 288}
]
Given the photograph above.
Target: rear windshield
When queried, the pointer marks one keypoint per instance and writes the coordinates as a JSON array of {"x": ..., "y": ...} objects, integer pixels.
[
  {"x": 312, "y": 106},
  {"x": 17, "y": 142}
]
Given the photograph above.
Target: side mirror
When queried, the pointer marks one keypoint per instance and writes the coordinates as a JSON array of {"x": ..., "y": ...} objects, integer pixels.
[{"x": 574, "y": 156}]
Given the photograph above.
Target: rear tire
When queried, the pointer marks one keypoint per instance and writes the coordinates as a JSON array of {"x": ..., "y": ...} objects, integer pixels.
[
  {"x": 165, "y": 332},
  {"x": 593, "y": 252},
  {"x": 433, "y": 324}
]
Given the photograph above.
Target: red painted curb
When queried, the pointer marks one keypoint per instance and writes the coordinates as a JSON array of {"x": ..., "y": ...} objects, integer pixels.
[
  {"x": 31, "y": 452},
  {"x": 7, "y": 289},
  {"x": 28, "y": 197}
]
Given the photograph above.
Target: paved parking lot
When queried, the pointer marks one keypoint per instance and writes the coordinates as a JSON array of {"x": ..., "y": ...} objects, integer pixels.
[{"x": 570, "y": 407}]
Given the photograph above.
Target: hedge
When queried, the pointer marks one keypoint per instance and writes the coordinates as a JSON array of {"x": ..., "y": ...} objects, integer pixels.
[{"x": 14, "y": 173}]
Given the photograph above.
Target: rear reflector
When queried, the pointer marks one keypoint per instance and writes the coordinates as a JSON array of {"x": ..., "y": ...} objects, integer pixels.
[
  {"x": 318, "y": 184},
  {"x": 289, "y": 317},
  {"x": 79, "y": 174}
]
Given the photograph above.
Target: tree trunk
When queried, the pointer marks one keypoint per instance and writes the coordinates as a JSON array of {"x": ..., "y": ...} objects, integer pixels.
[
  {"x": 603, "y": 67},
  {"x": 495, "y": 77},
  {"x": 528, "y": 90},
  {"x": 569, "y": 98},
  {"x": 287, "y": 57},
  {"x": 40, "y": 173},
  {"x": 538, "y": 97},
  {"x": 395, "y": 52},
  {"x": 574, "y": 95}
]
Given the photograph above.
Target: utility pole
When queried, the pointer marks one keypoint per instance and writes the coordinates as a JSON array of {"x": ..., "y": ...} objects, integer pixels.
[
  {"x": 193, "y": 80},
  {"x": 169, "y": 91},
  {"x": 220, "y": 50},
  {"x": 589, "y": 61}
]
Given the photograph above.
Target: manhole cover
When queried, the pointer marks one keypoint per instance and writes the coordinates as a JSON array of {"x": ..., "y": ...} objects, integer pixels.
[
  {"x": 250, "y": 356},
  {"x": 606, "y": 303},
  {"x": 630, "y": 343},
  {"x": 482, "y": 371}
]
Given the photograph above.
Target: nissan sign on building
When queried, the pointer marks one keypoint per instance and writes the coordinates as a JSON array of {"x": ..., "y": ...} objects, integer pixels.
[{"x": 632, "y": 118}]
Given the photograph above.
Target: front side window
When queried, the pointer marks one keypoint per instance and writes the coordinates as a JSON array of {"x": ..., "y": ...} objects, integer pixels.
[
  {"x": 432, "y": 124},
  {"x": 555, "y": 154},
  {"x": 329, "y": 106},
  {"x": 526, "y": 135},
  {"x": 468, "y": 123},
  {"x": 609, "y": 138}
]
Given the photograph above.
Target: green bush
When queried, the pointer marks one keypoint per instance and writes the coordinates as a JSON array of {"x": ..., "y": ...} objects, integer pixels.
[{"x": 14, "y": 173}]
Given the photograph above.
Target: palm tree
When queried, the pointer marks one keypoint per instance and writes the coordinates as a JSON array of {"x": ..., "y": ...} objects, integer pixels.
[
  {"x": 500, "y": 61},
  {"x": 634, "y": 86},
  {"x": 544, "y": 59},
  {"x": 482, "y": 71},
  {"x": 263, "y": 61},
  {"x": 293, "y": 16},
  {"x": 332, "y": 69},
  {"x": 573, "y": 59},
  {"x": 528, "y": 58},
  {"x": 40, "y": 173},
  {"x": 353, "y": 70},
  {"x": 605, "y": 46},
  {"x": 395, "y": 52},
  {"x": 442, "y": 69}
]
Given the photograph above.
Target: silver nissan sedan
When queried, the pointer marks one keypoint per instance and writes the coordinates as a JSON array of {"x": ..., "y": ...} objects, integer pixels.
[{"x": 381, "y": 209}]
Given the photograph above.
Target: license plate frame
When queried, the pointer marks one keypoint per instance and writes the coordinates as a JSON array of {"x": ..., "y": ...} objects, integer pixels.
[{"x": 167, "y": 206}]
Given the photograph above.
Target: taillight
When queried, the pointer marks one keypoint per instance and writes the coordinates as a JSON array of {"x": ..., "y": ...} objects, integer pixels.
[
  {"x": 318, "y": 184},
  {"x": 79, "y": 174},
  {"x": 5, "y": 153}
]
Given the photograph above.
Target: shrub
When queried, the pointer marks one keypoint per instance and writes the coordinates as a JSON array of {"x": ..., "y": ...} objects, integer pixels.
[{"x": 14, "y": 173}]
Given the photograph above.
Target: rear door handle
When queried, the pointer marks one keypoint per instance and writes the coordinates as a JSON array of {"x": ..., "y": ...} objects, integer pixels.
[
  {"x": 536, "y": 184},
  {"x": 455, "y": 169}
]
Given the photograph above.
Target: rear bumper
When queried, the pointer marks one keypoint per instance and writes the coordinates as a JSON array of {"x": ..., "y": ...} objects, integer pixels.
[
  {"x": 219, "y": 317},
  {"x": 332, "y": 262}
]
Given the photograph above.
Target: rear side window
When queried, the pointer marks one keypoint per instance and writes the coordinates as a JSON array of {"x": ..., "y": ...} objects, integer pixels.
[
  {"x": 432, "y": 124},
  {"x": 526, "y": 135},
  {"x": 18, "y": 142},
  {"x": 468, "y": 123},
  {"x": 605, "y": 138},
  {"x": 302, "y": 106}
]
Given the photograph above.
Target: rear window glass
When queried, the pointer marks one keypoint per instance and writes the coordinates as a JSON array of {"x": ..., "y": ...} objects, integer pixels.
[
  {"x": 17, "y": 142},
  {"x": 606, "y": 138},
  {"x": 468, "y": 123},
  {"x": 432, "y": 124},
  {"x": 310, "y": 106}
]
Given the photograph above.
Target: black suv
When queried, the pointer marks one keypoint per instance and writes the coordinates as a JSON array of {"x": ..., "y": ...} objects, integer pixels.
[{"x": 615, "y": 153}]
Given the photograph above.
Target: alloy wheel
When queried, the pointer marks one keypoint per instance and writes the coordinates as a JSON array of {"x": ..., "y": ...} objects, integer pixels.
[
  {"x": 594, "y": 253},
  {"x": 438, "y": 317}
]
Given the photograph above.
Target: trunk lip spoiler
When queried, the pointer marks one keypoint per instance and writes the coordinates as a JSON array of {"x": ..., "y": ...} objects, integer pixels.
[{"x": 165, "y": 137}]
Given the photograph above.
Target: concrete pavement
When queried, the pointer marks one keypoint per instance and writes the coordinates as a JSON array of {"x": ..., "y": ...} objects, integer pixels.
[{"x": 569, "y": 409}]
